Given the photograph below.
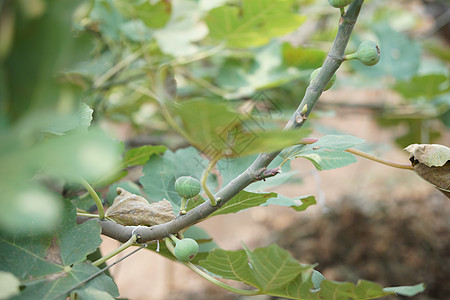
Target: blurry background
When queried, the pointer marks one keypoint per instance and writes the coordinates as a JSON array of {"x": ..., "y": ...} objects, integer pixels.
[{"x": 95, "y": 63}]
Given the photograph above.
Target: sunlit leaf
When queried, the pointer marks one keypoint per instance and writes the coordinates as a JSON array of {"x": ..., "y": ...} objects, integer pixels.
[{"x": 254, "y": 24}]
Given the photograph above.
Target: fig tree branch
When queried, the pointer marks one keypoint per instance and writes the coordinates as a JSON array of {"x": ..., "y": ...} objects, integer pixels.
[{"x": 253, "y": 172}]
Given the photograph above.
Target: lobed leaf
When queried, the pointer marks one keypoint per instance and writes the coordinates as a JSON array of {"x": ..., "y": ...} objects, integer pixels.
[
  {"x": 273, "y": 271},
  {"x": 58, "y": 258}
]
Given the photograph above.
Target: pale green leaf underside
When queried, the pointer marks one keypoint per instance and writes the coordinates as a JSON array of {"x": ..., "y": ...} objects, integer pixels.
[{"x": 327, "y": 153}]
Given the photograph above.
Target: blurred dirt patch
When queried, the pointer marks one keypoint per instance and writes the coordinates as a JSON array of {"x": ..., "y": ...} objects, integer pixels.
[{"x": 399, "y": 242}]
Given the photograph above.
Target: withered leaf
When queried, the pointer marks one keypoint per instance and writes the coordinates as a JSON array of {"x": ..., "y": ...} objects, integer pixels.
[
  {"x": 432, "y": 155},
  {"x": 437, "y": 176},
  {"x": 133, "y": 210}
]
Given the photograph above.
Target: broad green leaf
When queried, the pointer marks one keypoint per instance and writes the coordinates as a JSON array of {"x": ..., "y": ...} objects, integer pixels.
[
  {"x": 58, "y": 257},
  {"x": 139, "y": 156},
  {"x": 154, "y": 15},
  {"x": 427, "y": 86},
  {"x": 265, "y": 268},
  {"x": 60, "y": 124},
  {"x": 56, "y": 284},
  {"x": 216, "y": 130},
  {"x": 273, "y": 266},
  {"x": 327, "y": 153},
  {"x": 242, "y": 201},
  {"x": 93, "y": 294},
  {"x": 273, "y": 271},
  {"x": 230, "y": 265},
  {"x": 42, "y": 44},
  {"x": 160, "y": 173},
  {"x": 254, "y": 24},
  {"x": 26, "y": 204}
]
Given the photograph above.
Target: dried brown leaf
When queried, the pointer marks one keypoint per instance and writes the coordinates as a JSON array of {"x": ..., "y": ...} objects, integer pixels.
[
  {"x": 432, "y": 155},
  {"x": 437, "y": 176},
  {"x": 133, "y": 210}
]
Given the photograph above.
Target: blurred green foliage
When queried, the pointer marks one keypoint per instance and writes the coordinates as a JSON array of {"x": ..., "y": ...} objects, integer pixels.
[{"x": 68, "y": 67}]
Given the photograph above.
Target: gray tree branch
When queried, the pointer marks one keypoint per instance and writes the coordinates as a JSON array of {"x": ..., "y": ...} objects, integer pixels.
[{"x": 252, "y": 174}]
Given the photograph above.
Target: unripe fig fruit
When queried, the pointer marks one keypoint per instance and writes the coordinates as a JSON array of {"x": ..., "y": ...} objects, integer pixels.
[
  {"x": 187, "y": 186},
  {"x": 330, "y": 83},
  {"x": 339, "y": 3},
  {"x": 186, "y": 249},
  {"x": 368, "y": 53}
]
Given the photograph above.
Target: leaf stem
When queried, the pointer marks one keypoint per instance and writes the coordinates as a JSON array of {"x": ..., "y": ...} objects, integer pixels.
[
  {"x": 98, "y": 202},
  {"x": 204, "y": 177},
  {"x": 82, "y": 214},
  {"x": 211, "y": 279},
  {"x": 379, "y": 160},
  {"x": 365, "y": 155},
  {"x": 122, "y": 247}
]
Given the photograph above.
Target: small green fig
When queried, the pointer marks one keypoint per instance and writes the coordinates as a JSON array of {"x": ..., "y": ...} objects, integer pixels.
[
  {"x": 339, "y": 3},
  {"x": 368, "y": 53},
  {"x": 186, "y": 249},
  {"x": 187, "y": 186},
  {"x": 330, "y": 83}
]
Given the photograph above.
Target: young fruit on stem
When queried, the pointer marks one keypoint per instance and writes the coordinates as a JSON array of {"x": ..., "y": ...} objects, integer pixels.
[
  {"x": 185, "y": 249},
  {"x": 339, "y": 3},
  {"x": 187, "y": 187},
  {"x": 314, "y": 75},
  {"x": 368, "y": 53}
]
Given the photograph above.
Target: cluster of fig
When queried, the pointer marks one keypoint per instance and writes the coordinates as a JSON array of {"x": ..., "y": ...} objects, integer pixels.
[{"x": 187, "y": 187}]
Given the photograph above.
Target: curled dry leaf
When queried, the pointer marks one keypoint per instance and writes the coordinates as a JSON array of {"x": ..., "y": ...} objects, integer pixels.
[
  {"x": 432, "y": 163},
  {"x": 133, "y": 210},
  {"x": 432, "y": 155}
]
